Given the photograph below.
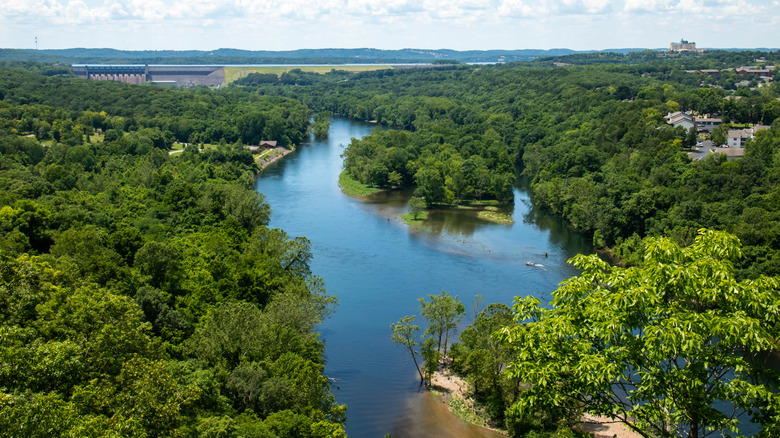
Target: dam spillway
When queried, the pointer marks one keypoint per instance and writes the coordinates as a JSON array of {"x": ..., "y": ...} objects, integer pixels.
[{"x": 178, "y": 75}]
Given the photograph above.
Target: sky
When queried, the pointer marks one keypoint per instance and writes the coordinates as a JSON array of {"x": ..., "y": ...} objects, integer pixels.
[{"x": 387, "y": 24}]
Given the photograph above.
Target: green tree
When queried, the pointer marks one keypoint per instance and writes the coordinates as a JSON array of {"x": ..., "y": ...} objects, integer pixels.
[
  {"x": 673, "y": 347},
  {"x": 431, "y": 357},
  {"x": 406, "y": 334},
  {"x": 719, "y": 135},
  {"x": 416, "y": 206},
  {"x": 443, "y": 313},
  {"x": 322, "y": 124},
  {"x": 690, "y": 138}
]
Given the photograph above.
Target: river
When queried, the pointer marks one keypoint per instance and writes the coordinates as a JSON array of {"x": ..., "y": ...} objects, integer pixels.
[{"x": 378, "y": 268}]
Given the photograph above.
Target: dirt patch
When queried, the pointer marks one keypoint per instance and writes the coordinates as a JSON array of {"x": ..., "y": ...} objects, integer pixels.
[
  {"x": 451, "y": 385},
  {"x": 271, "y": 155},
  {"x": 604, "y": 427},
  {"x": 453, "y": 390}
]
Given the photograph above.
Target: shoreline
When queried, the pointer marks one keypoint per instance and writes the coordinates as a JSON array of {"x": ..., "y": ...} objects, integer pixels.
[
  {"x": 447, "y": 386},
  {"x": 276, "y": 154}
]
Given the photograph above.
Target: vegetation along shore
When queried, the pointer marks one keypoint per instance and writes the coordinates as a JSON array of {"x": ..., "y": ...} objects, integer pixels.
[{"x": 143, "y": 293}]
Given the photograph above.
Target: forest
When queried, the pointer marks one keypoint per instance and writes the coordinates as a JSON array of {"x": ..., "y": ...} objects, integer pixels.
[
  {"x": 592, "y": 140},
  {"x": 594, "y": 146},
  {"x": 142, "y": 293}
]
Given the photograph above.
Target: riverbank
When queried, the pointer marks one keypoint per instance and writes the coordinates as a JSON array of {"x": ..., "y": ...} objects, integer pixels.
[
  {"x": 354, "y": 188},
  {"x": 453, "y": 390},
  {"x": 357, "y": 249},
  {"x": 271, "y": 155}
]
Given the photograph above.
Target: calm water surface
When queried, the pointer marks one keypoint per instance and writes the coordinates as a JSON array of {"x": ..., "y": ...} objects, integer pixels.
[{"x": 378, "y": 267}]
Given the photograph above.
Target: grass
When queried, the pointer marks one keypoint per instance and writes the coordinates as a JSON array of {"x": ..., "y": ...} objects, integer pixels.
[
  {"x": 483, "y": 202},
  {"x": 233, "y": 73},
  {"x": 495, "y": 217},
  {"x": 468, "y": 412},
  {"x": 409, "y": 219},
  {"x": 202, "y": 146},
  {"x": 354, "y": 188}
]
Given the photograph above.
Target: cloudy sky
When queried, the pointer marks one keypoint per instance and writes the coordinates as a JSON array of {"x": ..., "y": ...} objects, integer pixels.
[{"x": 387, "y": 24}]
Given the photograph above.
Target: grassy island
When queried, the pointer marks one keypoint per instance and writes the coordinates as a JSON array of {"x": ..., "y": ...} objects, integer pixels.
[{"x": 491, "y": 214}]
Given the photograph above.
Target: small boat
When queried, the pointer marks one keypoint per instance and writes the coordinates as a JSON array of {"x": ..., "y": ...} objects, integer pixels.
[{"x": 530, "y": 264}]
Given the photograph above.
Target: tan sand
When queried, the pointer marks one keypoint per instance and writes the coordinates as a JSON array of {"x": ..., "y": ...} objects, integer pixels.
[{"x": 601, "y": 427}]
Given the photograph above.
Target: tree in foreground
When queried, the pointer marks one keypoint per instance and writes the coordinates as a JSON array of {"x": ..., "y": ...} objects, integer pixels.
[{"x": 676, "y": 347}]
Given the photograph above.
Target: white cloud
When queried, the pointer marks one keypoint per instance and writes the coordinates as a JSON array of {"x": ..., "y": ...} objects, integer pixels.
[
  {"x": 386, "y": 23},
  {"x": 521, "y": 8}
]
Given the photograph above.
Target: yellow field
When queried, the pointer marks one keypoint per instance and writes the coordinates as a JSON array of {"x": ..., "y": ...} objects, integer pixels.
[{"x": 233, "y": 73}]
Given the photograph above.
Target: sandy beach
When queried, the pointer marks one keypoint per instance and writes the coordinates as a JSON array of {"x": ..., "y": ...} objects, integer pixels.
[{"x": 601, "y": 427}]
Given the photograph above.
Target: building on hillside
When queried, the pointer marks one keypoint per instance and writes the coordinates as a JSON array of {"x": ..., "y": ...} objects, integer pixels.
[
  {"x": 738, "y": 137},
  {"x": 268, "y": 144},
  {"x": 763, "y": 72},
  {"x": 684, "y": 46},
  {"x": 680, "y": 119},
  {"x": 707, "y": 123}
]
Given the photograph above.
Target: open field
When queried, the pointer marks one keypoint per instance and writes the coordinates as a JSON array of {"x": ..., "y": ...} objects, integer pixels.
[{"x": 236, "y": 72}]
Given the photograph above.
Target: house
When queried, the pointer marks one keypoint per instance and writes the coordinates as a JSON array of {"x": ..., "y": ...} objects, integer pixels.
[
  {"x": 680, "y": 119},
  {"x": 707, "y": 123},
  {"x": 268, "y": 144},
  {"x": 738, "y": 137}
]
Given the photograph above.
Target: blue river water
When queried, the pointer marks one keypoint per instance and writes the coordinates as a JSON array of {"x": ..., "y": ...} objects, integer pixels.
[{"x": 378, "y": 268}]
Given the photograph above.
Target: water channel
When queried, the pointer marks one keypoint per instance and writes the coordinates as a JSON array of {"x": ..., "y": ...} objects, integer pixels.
[{"x": 378, "y": 267}]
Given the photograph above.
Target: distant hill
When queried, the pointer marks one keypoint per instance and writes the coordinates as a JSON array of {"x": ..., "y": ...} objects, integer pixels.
[{"x": 306, "y": 56}]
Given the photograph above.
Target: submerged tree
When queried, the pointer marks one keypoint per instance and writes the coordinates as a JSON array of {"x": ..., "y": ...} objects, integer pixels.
[{"x": 676, "y": 347}]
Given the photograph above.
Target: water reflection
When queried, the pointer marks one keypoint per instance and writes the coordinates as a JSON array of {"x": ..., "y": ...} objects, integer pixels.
[
  {"x": 428, "y": 416},
  {"x": 378, "y": 267}
]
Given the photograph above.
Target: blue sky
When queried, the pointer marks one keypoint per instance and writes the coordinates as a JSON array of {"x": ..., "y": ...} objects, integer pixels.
[{"x": 387, "y": 24}]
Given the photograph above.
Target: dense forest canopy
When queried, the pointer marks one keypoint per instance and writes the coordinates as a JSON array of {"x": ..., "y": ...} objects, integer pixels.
[
  {"x": 592, "y": 139},
  {"x": 143, "y": 293},
  {"x": 196, "y": 116}
]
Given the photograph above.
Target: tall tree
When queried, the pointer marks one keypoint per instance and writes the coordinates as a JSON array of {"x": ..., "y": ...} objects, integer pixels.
[
  {"x": 443, "y": 313},
  {"x": 406, "y": 334},
  {"x": 675, "y": 347}
]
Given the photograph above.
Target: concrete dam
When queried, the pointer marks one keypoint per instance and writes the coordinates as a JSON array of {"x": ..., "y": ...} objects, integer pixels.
[{"x": 178, "y": 75}]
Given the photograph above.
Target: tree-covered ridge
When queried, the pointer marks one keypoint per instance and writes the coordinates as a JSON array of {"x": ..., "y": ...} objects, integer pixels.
[
  {"x": 301, "y": 56},
  {"x": 142, "y": 293},
  {"x": 199, "y": 115}
]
